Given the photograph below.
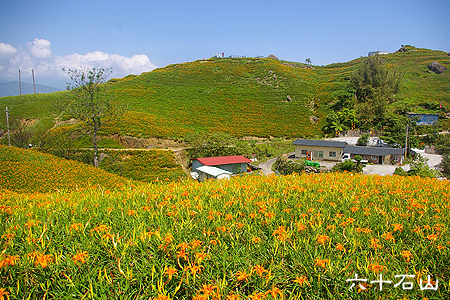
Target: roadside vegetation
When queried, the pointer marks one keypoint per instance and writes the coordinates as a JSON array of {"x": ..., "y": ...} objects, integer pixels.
[{"x": 349, "y": 165}]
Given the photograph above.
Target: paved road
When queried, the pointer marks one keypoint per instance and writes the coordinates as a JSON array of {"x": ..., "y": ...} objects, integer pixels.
[{"x": 266, "y": 167}]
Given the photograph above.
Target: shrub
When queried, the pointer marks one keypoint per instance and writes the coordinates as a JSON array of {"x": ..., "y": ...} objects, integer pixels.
[
  {"x": 363, "y": 140},
  {"x": 419, "y": 167},
  {"x": 399, "y": 171},
  {"x": 349, "y": 166},
  {"x": 286, "y": 167}
]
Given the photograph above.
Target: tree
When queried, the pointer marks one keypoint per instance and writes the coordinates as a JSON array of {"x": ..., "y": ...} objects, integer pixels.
[
  {"x": 342, "y": 120},
  {"x": 92, "y": 104},
  {"x": 348, "y": 118},
  {"x": 445, "y": 164},
  {"x": 308, "y": 61},
  {"x": 419, "y": 167},
  {"x": 363, "y": 140},
  {"x": 375, "y": 85},
  {"x": 205, "y": 144}
]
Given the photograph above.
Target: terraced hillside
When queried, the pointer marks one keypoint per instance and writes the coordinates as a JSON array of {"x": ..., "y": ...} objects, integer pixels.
[{"x": 240, "y": 96}]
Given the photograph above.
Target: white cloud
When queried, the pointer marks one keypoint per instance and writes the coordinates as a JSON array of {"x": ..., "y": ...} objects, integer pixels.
[
  {"x": 47, "y": 65},
  {"x": 6, "y": 50},
  {"x": 41, "y": 49}
]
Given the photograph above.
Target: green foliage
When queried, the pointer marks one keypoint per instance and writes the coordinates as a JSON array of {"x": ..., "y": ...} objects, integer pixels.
[
  {"x": 394, "y": 131},
  {"x": 445, "y": 164},
  {"x": 21, "y": 134},
  {"x": 375, "y": 87},
  {"x": 285, "y": 166},
  {"x": 441, "y": 141},
  {"x": 419, "y": 167},
  {"x": 346, "y": 119},
  {"x": 145, "y": 165},
  {"x": 363, "y": 140},
  {"x": 205, "y": 144},
  {"x": 348, "y": 166},
  {"x": 400, "y": 172}
]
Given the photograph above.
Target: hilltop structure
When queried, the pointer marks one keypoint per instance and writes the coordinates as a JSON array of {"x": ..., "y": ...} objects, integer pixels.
[{"x": 373, "y": 53}]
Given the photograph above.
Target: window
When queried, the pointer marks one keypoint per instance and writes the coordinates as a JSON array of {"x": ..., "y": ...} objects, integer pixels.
[
  {"x": 320, "y": 154},
  {"x": 304, "y": 152},
  {"x": 332, "y": 154}
]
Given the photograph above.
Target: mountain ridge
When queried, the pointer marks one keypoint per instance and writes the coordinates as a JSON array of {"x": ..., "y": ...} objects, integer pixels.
[{"x": 11, "y": 88}]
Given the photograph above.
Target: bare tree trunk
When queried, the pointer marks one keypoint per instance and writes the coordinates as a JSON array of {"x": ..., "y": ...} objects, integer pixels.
[
  {"x": 95, "y": 128},
  {"x": 94, "y": 142}
]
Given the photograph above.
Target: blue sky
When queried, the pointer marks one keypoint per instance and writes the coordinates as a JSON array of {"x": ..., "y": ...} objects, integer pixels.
[{"x": 138, "y": 36}]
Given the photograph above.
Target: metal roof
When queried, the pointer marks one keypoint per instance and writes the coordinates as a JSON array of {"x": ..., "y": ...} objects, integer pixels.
[
  {"x": 319, "y": 143},
  {"x": 377, "y": 151},
  {"x": 213, "y": 171},
  {"x": 223, "y": 160}
]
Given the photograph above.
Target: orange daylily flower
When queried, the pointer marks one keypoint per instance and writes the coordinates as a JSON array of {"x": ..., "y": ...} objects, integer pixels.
[
  {"x": 240, "y": 276},
  {"x": 300, "y": 280},
  {"x": 80, "y": 256},
  {"x": 322, "y": 239},
  {"x": 43, "y": 260},
  {"x": 321, "y": 262},
  {"x": 170, "y": 271}
]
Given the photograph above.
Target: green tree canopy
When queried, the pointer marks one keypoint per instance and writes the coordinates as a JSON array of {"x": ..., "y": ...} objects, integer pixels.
[{"x": 375, "y": 87}]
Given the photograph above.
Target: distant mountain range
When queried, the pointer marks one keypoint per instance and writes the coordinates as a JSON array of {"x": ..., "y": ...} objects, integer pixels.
[{"x": 11, "y": 88}]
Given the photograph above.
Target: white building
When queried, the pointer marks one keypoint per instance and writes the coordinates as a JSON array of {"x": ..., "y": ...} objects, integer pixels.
[{"x": 372, "y": 53}]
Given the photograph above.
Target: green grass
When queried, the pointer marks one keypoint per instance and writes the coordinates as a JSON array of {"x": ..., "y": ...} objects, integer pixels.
[
  {"x": 241, "y": 96},
  {"x": 146, "y": 166}
]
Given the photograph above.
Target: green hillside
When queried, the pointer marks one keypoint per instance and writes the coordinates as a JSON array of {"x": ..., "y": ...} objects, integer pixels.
[{"x": 241, "y": 96}]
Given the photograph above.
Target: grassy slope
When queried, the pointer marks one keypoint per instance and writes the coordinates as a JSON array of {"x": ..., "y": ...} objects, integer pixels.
[
  {"x": 244, "y": 96},
  {"x": 145, "y": 165},
  {"x": 220, "y": 95},
  {"x": 30, "y": 171}
]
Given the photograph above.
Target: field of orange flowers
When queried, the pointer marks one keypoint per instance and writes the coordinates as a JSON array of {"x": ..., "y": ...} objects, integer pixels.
[
  {"x": 32, "y": 171},
  {"x": 321, "y": 236}
]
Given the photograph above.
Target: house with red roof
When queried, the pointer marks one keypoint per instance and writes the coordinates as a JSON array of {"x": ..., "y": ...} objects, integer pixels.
[{"x": 235, "y": 164}]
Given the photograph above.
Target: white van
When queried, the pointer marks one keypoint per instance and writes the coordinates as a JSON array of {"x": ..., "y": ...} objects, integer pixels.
[{"x": 345, "y": 156}]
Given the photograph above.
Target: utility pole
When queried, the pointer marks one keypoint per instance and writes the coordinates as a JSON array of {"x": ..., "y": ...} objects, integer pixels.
[
  {"x": 20, "y": 87},
  {"x": 34, "y": 84},
  {"x": 406, "y": 141},
  {"x": 7, "y": 126}
]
